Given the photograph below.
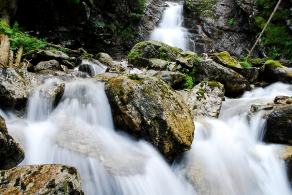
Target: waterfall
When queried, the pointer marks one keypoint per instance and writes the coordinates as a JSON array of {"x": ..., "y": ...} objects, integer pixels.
[
  {"x": 170, "y": 30},
  {"x": 79, "y": 132},
  {"x": 227, "y": 155}
]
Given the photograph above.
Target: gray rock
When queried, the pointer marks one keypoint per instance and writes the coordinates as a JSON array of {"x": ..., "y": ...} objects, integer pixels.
[
  {"x": 205, "y": 99},
  {"x": 279, "y": 120},
  {"x": 14, "y": 89},
  {"x": 148, "y": 108},
  {"x": 105, "y": 59},
  {"x": 233, "y": 82},
  {"x": 48, "y": 65},
  {"x": 41, "y": 179},
  {"x": 11, "y": 153},
  {"x": 219, "y": 25},
  {"x": 275, "y": 71},
  {"x": 175, "y": 79}
]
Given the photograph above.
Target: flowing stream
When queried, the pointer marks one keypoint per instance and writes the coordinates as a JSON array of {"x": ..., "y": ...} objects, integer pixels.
[
  {"x": 170, "y": 29},
  {"x": 227, "y": 155}
]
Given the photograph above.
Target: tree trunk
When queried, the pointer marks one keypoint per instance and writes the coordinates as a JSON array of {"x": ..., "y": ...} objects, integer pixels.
[{"x": 4, "y": 50}]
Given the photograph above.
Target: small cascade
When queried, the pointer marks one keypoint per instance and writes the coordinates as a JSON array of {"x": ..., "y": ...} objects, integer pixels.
[
  {"x": 170, "y": 29},
  {"x": 79, "y": 132},
  {"x": 228, "y": 155}
]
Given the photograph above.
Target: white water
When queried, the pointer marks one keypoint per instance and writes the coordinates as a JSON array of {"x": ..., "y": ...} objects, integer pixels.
[
  {"x": 80, "y": 132},
  {"x": 227, "y": 156},
  {"x": 170, "y": 29}
]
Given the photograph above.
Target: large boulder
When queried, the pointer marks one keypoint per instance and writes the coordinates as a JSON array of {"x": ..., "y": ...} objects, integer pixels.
[
  {"x": 40, "y": 179},
  {"x": 48, "y": 65},
  {"x": 279, "y": 126},
  {"x": 148, "y": 108},
  {"x": 176, "y": 80},
  {"x": 143, "y": 52},
  {"x": 234, "y": 83},
  {"x": 11, "y": 153},
  {"x": 14, "y": 89},
  {"x": 205, "y": 99},
  {"x": 275, "y": 71},
  {"x": 219, "y": 25},
  {"x": 279, "y": 120}
]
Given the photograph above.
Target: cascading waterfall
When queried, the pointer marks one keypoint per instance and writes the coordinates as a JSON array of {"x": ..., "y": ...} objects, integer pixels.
[
  {"x": 227, "y": 156},
  {"x": 80, "y": 132},
  {"x": 170, "y": 29}
]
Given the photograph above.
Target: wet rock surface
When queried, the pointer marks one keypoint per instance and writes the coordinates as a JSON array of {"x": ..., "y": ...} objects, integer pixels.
[
  {"x": 205, "y": 99},
  {"x": 40, "y": 179},
  {"x": 11, "y": 153},
  {"x": 148, "y": 108},
  {"x": 279, "y": 120}
]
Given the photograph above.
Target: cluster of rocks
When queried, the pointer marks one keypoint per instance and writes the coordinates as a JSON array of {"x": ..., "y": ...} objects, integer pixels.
[{"x": 155, "y": 95}]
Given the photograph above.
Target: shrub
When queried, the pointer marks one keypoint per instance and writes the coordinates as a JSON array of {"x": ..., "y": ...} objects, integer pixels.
[{"x": 20, "y": 39}]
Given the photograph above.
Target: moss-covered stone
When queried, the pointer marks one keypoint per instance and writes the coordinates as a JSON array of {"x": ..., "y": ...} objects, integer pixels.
[
  {"x": 274, "y": 71},
  {"x": 143, "y": 51},
  {"x": 226, "y": 59},
  {"x": 42, "y": 179},
  {"x": 148, "y": 108}
]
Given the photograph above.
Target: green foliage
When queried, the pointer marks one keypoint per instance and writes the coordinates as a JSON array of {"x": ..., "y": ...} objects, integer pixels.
[
  {"x": 141, "y": 6},
  {"x": 202, "y": 7},
  {"x": 274, "y": 63},
  {"x": 277, "y": 37},
  {"x": 245, "y": 64},
  {"x": 20, "y": 39},
  {"x": 232, "y": 22},
  {"x": 99, "y": 24},
  {"x": 189, "y": 83},
  {"x": 133, "y": 54}
]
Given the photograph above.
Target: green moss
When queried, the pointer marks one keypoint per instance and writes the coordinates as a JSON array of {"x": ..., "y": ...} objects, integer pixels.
[
  {"x": 245, "y": 64},
  {"x": 20, "y": 39},
  {"x": 133, "y": 54},
  {"x": 213, "y": 83},
  {"x": 232, "y": 22},
  {"x": 189, "y": 83},
  {"x": 202, "y": 7},
  {"x": 135, "y": 77},
  {"x": 274, "y": 63},
  {"x": 227, "y": 59}
]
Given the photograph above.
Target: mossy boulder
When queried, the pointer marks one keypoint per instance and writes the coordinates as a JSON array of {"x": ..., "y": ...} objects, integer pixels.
[
  {"x": 148, "y": 108},
  {"x": 41, "y": 179},
  {"x": 275, "y": 71},
  {"x": 141, "y": 53},
  {"x": 176, "y": 80},
  {"x": 11, "y": 153},
  {"x": 234, "y": 83},
  {"x": 226, "y": 59},
  {"x": 186, "y": 59}
]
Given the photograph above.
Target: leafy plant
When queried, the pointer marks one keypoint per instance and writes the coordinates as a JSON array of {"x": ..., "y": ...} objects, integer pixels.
[
  {"x": 232, "y": 22},
  {"x": 189, "y": 83},
  {"x": 21, "y": 39}
]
